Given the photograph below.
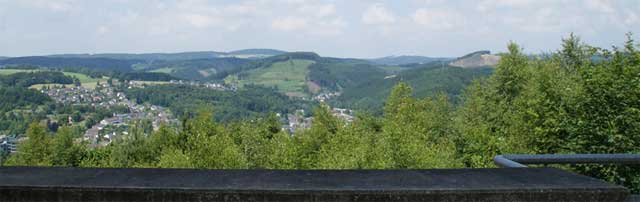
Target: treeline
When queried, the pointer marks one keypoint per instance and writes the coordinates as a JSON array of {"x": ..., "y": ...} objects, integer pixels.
[
  {"x": 12, "y": 98},
  {"x": 428, "y": 80},
  {"x": 266, "y": 62},
  {"x": 44, "y": 75},
  {"x": 250, "y": 101},
  {"x": 55, "y": 62},
  {"x": 337, "y": 75},
  {"x": 189, "y": 69},
  {"x": 564, "y": 103},
  {"x": 26, "y": 79}
]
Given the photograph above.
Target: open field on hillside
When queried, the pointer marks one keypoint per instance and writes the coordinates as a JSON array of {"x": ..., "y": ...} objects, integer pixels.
[
  {"x": 288, "y": 76},
  {"x": 167, "y": 70},
  {"x": 13, "y": 71},
  {"x": 85, "y": 80}
]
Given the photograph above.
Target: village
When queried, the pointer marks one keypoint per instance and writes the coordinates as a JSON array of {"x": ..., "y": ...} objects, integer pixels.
[{"x": 110, "y": 128}]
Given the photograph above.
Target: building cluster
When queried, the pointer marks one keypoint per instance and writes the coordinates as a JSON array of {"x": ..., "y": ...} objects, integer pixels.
[
  {"x": 298, "y": 121},
  {"x": 9, "y": 143},
  {"x": 322, "y": 97},
  {"x": 112, "y": 128},
  {"x": 214, "y": 86},
  {"x": 102, "y": 96},
  {"x": 343, "y": 114}
]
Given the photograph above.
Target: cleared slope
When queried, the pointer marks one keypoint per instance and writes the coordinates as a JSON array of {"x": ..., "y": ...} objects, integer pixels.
[{"x": 288, "y": 76}]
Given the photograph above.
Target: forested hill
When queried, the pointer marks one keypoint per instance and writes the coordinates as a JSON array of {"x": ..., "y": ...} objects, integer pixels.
[
  {"x": 258, "y": 51},
  {"x": 426, "y": 80},
  {"x": 246, "y": 53},
  {"x": 53, "y": 62},
  {"x": 147, "y": 56},
  {"x": 362, "y": 83},
  {"x": 406, "y": 59}
]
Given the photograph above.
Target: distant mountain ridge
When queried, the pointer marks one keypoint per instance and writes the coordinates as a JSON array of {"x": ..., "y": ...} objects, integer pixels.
[
  {"x": 53, "y": 62},
  {"x": 357, "y": 83},
  {"x": 258, "y": 51},
  {"x": 194, "y": 55},
  {"x": 476, "y": 59},
  {"x": 145, "y": 56},
  {"x": 406, "y": 59}
]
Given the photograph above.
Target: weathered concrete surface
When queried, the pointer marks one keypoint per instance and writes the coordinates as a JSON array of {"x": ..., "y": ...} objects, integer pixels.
[{"x": 509, "y": 184}]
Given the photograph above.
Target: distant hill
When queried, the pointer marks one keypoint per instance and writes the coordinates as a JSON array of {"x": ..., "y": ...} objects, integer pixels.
[
  {"x": 306, "y": 73},
  {"x": 266, "y": 52},
  {"x": 406, "y": 59},
  {"x": 476, "y": 59},
  {"x": 426, "y": 80},
  {"x": 195, "y": 69},
  {"x": 58, "y": 62},
  {"x": 246, "y": 53},
  {"x": 147, "y": 56},
  {"x": 2, "y": 57}
]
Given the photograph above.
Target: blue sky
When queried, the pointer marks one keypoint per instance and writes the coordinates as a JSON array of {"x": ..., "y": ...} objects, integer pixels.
[{"x": 341, "y": 28}]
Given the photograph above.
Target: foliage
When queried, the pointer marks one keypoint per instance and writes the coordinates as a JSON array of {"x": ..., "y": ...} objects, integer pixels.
[
  {"x": 26, "y": 79},
  {"x": 567, "y": 102},
  {"x": 427, "y": 80},
  {"x": 247, "y": 102}
]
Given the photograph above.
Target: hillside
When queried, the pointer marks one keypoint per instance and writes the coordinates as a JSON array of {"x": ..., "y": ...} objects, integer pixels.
[
  {"x": 405, "y": 59},
  {"x": 426, "y": 80},
  {"x": 289, "y": 77},
  {"x": 476, "y": 59},
  {"x": 255, "y": 53},
  {"x": 194, "y": 55},
  {"x": 53, "y": 62},
  {"x": 302, "y": 74},
  {"x": 197, "y": 69},
  {"x": 146, "y": 56},
  {"x": 334, "y": 75}
]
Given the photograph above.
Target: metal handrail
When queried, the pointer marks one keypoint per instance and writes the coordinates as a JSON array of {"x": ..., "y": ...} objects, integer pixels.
[{"x": 520, "y": 160}]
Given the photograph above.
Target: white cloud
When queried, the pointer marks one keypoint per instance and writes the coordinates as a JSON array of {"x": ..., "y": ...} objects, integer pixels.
[
  {"x": 318, "y": 11},
  {"x": 289, "y": 23},
  {"x": 103, "y": 30},
  {"x": 438, "y": 19},
  {"x": 487, "y": 5},
  {"x": 603, "y": 6},
  {"x": 377, "y": 14},
  {"x": 632, "y": 18},
  {"x": 57, "y": 6},
  {"x": 331, "y": 27},
  {"x": 200, "y": 21}
]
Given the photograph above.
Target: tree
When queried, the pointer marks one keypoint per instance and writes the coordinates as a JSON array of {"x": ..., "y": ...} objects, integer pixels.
[
  {"x": 64, "y": 151},
  {"x": 309, "y": 142},
  {"x": 35, "y": 151},
  {"x": 418, "y": 130}
]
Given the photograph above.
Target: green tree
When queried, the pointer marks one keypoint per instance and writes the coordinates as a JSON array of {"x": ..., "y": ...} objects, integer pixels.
[
  {"x": 174, "y": 158},
  {"x": 309, "y": 142},
  {"x": 64, "y": 151},
  {"x": 417, "y": 130},
  {"x": 35, "y": 151}
]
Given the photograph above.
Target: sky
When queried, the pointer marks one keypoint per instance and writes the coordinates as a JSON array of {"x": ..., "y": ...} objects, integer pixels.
[{"x": 337, "y": 28}]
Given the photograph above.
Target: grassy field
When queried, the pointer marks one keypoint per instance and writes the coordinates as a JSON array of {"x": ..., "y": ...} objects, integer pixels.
[
  {"x": 288, "y": 76},
  {"x": 13, "y": 71},
  {"x": 152, "y": 82},
  {"x": 167, "y": 70},
  {"x": 85, "y": 80}
]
